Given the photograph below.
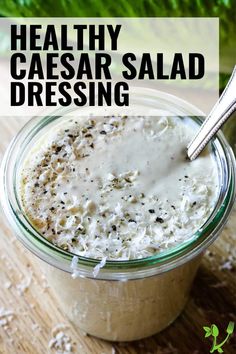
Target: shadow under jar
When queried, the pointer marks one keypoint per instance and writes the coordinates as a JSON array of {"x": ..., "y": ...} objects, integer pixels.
[{"x": 128, "y": 300}]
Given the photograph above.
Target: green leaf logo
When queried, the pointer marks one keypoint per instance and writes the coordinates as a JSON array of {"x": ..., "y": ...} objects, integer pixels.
[
  {"x": 230, "y": 328},
  {"x": 214, "y": 332},
  {"x": 208, "y": 331}
]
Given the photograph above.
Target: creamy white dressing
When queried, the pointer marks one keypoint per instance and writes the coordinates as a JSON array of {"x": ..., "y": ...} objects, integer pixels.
[{"x": 119, "y": 187}]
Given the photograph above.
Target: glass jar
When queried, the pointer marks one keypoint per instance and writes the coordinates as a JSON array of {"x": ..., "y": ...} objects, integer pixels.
[{"x": 128, "y": 300}]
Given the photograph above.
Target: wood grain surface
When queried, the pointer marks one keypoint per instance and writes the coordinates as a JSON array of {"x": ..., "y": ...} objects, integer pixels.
[{"x": 30, "y": 317}]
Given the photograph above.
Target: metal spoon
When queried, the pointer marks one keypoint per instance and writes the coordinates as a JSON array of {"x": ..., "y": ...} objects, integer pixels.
[{"x": 220, "y": 113}]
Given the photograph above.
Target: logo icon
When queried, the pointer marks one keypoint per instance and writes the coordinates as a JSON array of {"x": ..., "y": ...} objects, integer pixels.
[{"x": 214, "y": 332}]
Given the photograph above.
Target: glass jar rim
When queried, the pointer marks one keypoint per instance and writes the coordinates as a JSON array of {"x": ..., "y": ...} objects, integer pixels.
[{"x": 116, "y": 269}]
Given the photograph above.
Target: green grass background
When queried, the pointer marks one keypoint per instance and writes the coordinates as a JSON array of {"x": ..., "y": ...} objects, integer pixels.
[{"x": 224, "y": 9}]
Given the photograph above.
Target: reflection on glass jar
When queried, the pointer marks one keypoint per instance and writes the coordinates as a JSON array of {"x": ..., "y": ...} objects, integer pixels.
[{"x": 230, "y": 132}]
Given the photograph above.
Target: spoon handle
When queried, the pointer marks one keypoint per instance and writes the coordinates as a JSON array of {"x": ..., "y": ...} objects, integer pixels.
[{"x": 220, "y": 113}]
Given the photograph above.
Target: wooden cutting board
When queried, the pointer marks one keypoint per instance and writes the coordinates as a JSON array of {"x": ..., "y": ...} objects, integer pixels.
[{"x": 30, "y": 317}]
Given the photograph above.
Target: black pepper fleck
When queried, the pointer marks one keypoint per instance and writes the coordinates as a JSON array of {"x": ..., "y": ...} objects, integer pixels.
[
  {"x": 160, "y": 220},
  {"x": 58, "y": 149}
]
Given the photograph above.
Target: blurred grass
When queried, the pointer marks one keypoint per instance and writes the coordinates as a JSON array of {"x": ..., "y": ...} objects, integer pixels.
[{"x": 224, "y": 9}]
